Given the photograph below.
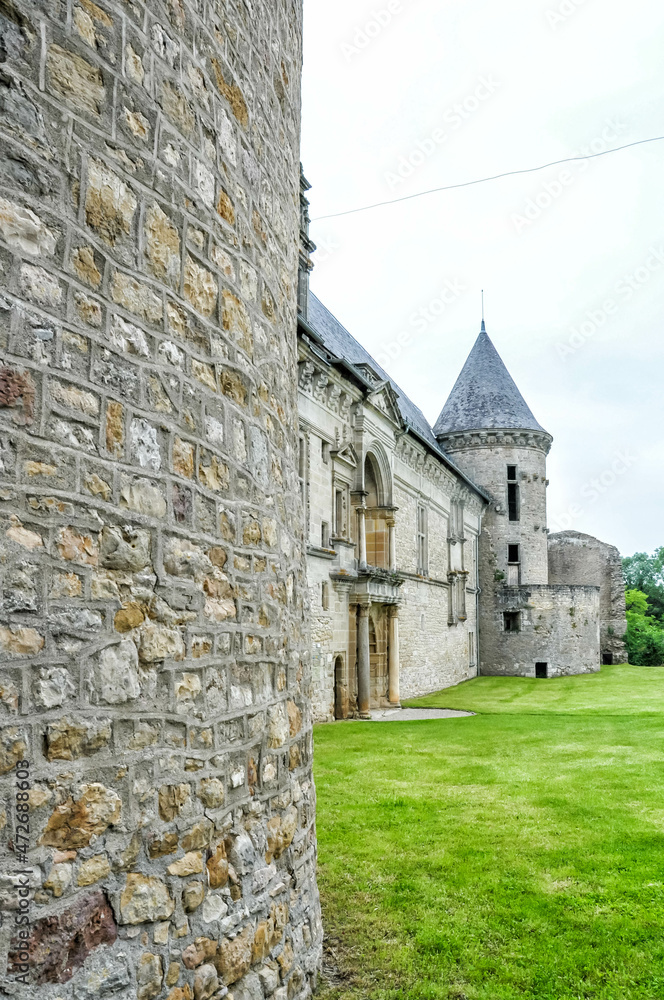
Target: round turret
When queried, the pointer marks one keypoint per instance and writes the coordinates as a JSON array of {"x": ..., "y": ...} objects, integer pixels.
[{"x": 490, "y": 432}]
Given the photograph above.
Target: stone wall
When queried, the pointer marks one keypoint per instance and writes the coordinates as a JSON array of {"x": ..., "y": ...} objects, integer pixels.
[
  {"x": 559, "y": 626},
  {"x": 578, "y": 558},
  {"x": 434, "y": 655},
  {"x": 154, "y": 653},
  {"x": 486, "y": 464}
]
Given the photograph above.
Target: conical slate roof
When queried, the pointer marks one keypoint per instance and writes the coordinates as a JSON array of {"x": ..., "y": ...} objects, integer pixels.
[{"x": 485, "y": 395}]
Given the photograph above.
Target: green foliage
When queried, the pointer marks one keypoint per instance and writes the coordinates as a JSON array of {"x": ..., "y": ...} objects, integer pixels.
[
  {"x": 637, "y": 603},
  {"x": 505, "y": 856},
  {"x": 646, "y": 573},
  {"x": 645, "y": 634}
]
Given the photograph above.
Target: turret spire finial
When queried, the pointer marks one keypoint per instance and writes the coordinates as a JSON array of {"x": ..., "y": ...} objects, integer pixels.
[{"x": 483, "y": 330}]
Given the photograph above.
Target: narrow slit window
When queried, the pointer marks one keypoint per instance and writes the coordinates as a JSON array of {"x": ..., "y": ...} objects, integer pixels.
[
  {"x": 325, "y": 535},
  {"x": 422, "y": 547},
  {"x": 513, "y": 565},
  {"x": 339, "y": 519},
  {"x": 303, "y": 466},
  {"x": 513, "y": 498}
]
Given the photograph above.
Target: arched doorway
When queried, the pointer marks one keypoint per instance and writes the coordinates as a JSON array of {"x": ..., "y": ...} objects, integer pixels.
[
  {"x": 340, "y": 689},
  {"x": 377, "y": 538},
  {"x": 372, "y": 483}
]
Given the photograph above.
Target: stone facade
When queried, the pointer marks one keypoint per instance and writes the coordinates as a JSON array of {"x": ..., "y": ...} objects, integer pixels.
[
  {"x": 364, "y": 478},
  {"x": 153, "y": 640},
  {"x": 584, "y": 559},
  {"x": 392, "y": 528}
]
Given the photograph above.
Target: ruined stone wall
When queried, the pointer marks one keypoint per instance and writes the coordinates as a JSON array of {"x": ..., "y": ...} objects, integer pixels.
[
  {"x": 559, "y": 626},
  {"x": 154, "y": 670},
  {"x": 578, "y": 558}
]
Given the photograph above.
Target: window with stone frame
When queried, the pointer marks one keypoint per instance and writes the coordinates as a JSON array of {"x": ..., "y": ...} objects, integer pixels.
[
  {"x": 341, "y": 504},
  {"x": 512, "y": 621},
  {"x": 422, "y": 540},
  {"x": 456, "y": 519},
  {"x": 513, "y": 565},
  {"x": 461, "y": 598}
]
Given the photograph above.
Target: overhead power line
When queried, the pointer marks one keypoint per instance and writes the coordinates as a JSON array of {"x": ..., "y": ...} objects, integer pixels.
[{"x": 484, "y": 180}]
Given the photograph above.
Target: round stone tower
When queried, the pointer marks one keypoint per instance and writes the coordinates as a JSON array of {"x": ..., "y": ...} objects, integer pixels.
[
  {"x": 526, "y": 627},
  {"x": 489, "y": 431},
  {"x": 157, "y": 806}
]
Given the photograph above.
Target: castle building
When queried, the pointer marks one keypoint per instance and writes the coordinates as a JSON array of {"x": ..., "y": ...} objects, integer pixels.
[{"x": 429, "y": 556}]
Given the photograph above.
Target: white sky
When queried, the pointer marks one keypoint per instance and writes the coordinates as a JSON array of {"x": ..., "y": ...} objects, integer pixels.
[{"x": 554, "y": 85}]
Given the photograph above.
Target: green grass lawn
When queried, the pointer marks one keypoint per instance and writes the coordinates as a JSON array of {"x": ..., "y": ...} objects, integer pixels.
[
  {"x": 615, "y": 691},
  {"x": 516, "y": 853}
]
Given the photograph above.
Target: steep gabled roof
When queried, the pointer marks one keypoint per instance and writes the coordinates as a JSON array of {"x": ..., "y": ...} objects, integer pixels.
[
  {"x": 485, "y": 395},
  {"x": 339, "y": 341},
  {"x": 342, "y": 344}
]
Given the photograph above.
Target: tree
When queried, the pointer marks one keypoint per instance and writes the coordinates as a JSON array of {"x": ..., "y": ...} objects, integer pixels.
[
  {"x": 646, "y": 574},
  {"x": 645, "y": 634}
]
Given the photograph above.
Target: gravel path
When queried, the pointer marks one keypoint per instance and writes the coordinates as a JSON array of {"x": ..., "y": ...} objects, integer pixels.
[{"x": 414, "y": 714}]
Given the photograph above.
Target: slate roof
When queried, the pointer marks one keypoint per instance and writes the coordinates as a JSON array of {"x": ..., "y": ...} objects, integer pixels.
[
  {"x": 485, "y": 395},
  {"x": 339, "y": 342}
]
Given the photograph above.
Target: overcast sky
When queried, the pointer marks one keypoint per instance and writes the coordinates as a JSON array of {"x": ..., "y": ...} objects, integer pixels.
[{"x": 571, "y": 258}]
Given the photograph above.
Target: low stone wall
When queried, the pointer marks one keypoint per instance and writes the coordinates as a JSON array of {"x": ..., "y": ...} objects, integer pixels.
[{"x": 559, "y": 627}]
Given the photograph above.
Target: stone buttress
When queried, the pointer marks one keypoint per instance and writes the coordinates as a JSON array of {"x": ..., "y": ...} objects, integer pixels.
[{"x": 154, "y": 669}]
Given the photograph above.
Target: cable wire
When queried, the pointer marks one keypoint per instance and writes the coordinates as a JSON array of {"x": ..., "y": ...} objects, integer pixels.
[{"x": 483, "y": 180}]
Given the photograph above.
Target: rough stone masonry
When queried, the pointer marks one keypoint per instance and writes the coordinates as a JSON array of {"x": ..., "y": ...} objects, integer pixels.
[{"x": 154, "y": 681}]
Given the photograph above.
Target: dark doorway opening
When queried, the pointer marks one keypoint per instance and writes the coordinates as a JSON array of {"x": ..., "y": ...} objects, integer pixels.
[
  {"x": 340, "y": 690},
  {"x": 607, "y": 659},
  {"x": 542, "y": 670}
]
